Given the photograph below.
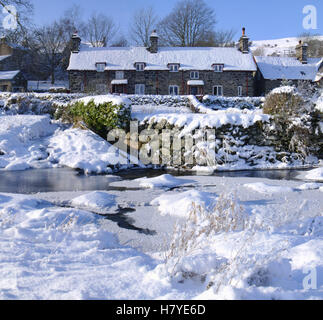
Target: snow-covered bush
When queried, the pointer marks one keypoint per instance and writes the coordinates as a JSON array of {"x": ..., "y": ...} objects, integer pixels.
[
  {"x": 226, "y": 215},
  {"x": 34, "y": 103},
  {"x": 294, "y": 119},
  {"x": 98, "y": 117},
  {"x": 172, "y": 101},
  {"x": 219, "y": 103},
  {"x": 284, "y": 101}
]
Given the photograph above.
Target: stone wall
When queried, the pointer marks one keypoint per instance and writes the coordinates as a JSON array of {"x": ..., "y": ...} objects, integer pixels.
[
  {"x": 158, "y": 82},
  {"x": 257, "y": 146}
]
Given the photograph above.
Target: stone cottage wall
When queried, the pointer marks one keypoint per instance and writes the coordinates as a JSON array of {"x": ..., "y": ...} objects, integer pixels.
[{"x": 158, "y": 82}]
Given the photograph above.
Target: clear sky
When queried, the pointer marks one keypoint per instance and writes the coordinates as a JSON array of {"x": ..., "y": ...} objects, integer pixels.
[{"x": 263, "y": 19}]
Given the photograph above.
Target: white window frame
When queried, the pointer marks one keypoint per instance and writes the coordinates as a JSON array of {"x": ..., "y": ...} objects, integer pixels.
[
  {"x": 173, "y": 67},
  {"x": 172, "y": 89},
  {"x": 140, "y": 89},
  {"x": 194, "y": 75},
  {"x": 140, "y": 66},
  {"x": 218, "y": 68},
  {"x": 239, "y": 91},
  {"x": 217, "y": 91},
  {"x": 100, "y": 67},
  {"x": 119, "y": 75}
]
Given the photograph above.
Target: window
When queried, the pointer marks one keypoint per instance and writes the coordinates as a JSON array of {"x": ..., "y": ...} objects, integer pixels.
[
  {"x": 140, "y": 89},
  {"x": 173, "y": 90},
  {"x": 195, "y": 75},
  {"x": 119, "y": 75},
  {"x": 239, "y": 91},
  {"x": 218, "y": 68},
  {"x": 100, "y": 67},
  {"x": 218, "y": 91},
  {"x": 173, "y": 67},
  {"x": 140, "y": 66}
]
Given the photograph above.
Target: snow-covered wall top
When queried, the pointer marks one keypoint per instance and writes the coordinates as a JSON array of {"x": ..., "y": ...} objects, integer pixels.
[
  {"x": 289, "y": 68},
  {"x": 188, "y": 58}
]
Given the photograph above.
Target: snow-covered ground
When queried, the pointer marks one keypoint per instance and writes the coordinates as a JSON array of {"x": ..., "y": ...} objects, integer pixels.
[
  {"x": 197, "y": 237},
  {"x": 52, "y": 249},
  {"x": 29, "y": 141},
  {"x": 284, "y": 46}
]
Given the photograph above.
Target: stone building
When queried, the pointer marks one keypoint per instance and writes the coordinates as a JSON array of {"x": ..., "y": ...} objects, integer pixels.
[
  {"x": 185, "y": 70},
  {"x": 161, "y": 70},
  {"x": 272, "y": 71},
  {"x": 12, "y": 78}
]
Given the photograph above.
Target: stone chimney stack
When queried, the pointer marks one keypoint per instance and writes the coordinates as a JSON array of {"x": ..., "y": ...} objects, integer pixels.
[
  {"x": 154, "y": 42},
  {"x": 301, "y": 52},
  {"x": 244, "y": 42},
  {"x": 76, "y": 43}
]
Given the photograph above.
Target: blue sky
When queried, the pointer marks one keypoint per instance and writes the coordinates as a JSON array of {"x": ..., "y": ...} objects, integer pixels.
[{"x": 263, "y": 19}]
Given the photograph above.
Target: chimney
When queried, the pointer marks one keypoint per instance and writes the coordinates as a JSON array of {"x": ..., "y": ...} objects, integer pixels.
[
  {"x": 301, "y": 52},
  {"x": 153, "y": 42},
  {"x": 76, "y": 43},
  {"x": 244, "y": 42}
]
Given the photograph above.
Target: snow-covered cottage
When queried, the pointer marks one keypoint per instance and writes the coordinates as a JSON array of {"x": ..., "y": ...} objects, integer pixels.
[
  {"x": 163, "y": 70},
  {"x": 186, "y": 70},
  {"x": 273, "y": 70},
  {"x": 11, "y": 77}
]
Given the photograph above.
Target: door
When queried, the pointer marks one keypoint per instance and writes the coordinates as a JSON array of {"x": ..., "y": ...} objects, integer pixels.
[
  {"x": 118, "y": 88},
  {"x": 194, "y": 91}
]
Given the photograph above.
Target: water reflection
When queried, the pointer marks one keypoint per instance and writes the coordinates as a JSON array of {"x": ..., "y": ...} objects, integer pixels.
[{"x": 65, "y": 179}]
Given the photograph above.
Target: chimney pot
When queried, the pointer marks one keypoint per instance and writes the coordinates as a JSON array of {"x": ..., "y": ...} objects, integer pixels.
[{"x": 153, "y": 42}]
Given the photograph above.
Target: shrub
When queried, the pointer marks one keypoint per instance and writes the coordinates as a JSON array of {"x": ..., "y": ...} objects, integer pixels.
[
  {"x": 284, "y": 101},
  {"x": 203, "y": 223},
  {"x": 100, "y": 118}
]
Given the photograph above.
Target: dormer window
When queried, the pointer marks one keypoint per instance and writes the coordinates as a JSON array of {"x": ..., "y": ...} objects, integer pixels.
[
  {"x": 195, "y": 75},
  {"x": 100, "y": 66},
  {"x": 173, "y": 67},
  {"x": 140, "y": 66},
  {"x": 218, "y": 67}
]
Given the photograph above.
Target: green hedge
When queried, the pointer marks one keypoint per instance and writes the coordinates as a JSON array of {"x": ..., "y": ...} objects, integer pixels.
[{"x": 100, "y": 118}]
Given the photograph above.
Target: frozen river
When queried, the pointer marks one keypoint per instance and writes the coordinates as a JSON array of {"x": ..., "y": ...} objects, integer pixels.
[{"x": 65, "y": 179}]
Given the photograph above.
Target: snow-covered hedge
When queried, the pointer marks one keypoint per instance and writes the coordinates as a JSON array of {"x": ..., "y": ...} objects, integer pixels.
[
  {"x": 99, "y": 113},
  {"x": 218, "y": 103},
  {"x": 173, "y": 101},
  {"x": 33, "y": 103}
]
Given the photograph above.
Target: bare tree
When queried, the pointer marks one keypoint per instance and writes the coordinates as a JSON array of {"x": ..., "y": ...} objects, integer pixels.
[
  {"x": 100, "y": 30},
  {"x": 222, "y": 38},
  {"x": 188, "y": 24},
  {"x": 315, "y": 44},
  {"x": 72, "y": 22},
  {"x": 50, "y": 43},
  {"x": 19, "y": 14},
  {"x": 143, "y": 24},
  {"x": 120, "y": 42}
]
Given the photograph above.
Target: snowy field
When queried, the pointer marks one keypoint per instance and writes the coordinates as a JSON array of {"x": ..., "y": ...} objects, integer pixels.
[
  {"x": 56, "y": 246},
  {"x": 188, "y": 237}
]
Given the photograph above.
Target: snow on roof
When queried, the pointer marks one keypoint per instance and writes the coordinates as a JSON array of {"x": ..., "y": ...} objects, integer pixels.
[
  {"x": 189, "y": 58},
  {"x": 8, "y": 75},
  {"x": 4, "y": 57},
  {"x": 289, "y": 68}
]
